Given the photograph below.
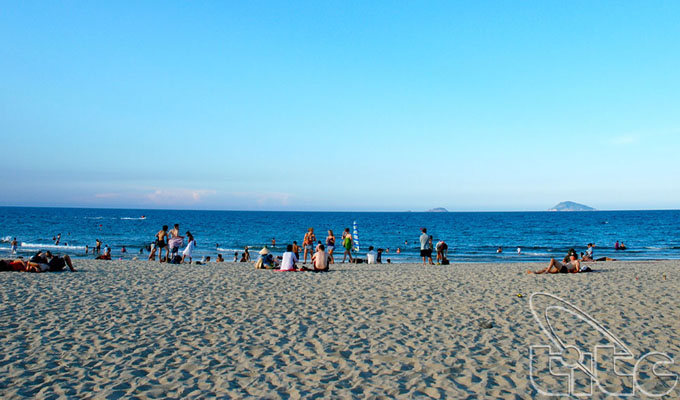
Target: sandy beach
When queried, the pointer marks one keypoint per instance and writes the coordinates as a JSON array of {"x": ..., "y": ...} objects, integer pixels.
[{"x": 120, "y": 329}]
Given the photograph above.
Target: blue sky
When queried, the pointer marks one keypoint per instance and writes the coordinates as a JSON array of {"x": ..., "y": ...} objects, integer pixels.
[{"x": 340, "y": 105}]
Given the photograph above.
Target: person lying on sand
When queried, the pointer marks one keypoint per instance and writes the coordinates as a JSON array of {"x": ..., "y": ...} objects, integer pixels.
[
  {"x": 40, "y": 262},
  {"x": 555, "y": 267},
  {"x": 57, "y": 263},
  {"x": 22, "y": 266}
]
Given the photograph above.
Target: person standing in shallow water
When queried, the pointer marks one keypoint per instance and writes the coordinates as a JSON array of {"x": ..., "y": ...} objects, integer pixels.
[
  {"x": 426, "y": 247},
  {"x": 330, "y": 246},
  {"x": 347, "y": 245},
  {"x": 160, "y": 243},
  {"x": 14, "y": 246},
  {"x": 189, "y": 250},
  {"x": 308, "y": 244}
]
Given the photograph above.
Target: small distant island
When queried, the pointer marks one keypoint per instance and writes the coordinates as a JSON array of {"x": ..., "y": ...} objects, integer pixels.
[
  {"x": 571, "y": 206},
  {"x": 438, "y": 209}
]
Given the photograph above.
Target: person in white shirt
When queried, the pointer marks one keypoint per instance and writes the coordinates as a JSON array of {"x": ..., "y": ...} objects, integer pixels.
[
  {"x": 288, "y": 260},
  {"x": 371, "y": 256},
  {"x": 425, "y": 247}
]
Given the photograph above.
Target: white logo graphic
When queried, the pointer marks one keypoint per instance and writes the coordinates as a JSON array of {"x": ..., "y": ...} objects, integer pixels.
[{"x": 565, "y": 370}]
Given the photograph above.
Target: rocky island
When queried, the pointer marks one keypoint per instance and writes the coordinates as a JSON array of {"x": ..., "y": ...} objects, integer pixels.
[{"x": 571, "y": 206}]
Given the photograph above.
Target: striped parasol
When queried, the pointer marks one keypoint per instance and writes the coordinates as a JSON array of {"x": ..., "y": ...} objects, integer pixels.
[{"x": 356, "y": 237}]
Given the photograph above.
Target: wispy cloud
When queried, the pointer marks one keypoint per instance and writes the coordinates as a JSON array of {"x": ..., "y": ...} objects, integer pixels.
[
  {"x": 106, "y": 195},
  {"x": 183, "y": 197},
  {"x": 624, "y": 140},
  {"x": 282, "y": 199},
  {"x": 178, "y": 196}
]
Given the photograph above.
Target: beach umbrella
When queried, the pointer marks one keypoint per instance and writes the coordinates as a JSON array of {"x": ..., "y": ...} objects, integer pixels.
[{"x": 356, "y": 237}]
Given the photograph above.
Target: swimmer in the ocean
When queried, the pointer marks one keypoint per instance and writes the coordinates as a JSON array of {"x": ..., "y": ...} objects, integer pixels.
[{"x": 13, "y": 249}]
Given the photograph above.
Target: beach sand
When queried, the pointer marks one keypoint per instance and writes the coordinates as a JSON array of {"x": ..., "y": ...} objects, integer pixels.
[{"x": 118, "y": 329}]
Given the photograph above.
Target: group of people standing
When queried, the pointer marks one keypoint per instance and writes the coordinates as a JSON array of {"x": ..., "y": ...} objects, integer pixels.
[
  {"x": 171, "y": 241},
  {"x": 309, "y": 240},
  {"x": 426, "y": 247}
]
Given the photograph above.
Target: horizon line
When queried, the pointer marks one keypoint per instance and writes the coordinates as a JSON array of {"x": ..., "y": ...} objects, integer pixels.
[{"x": 340, "y": 211}]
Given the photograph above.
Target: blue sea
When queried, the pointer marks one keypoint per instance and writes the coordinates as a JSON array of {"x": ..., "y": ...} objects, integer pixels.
[{"x": 471, "y": 236}]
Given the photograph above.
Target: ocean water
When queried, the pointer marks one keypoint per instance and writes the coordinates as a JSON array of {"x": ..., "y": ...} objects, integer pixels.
[{"x": 471, "y": 236}]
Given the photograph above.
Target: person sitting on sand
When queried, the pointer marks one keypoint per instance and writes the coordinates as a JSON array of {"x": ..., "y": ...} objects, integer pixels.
[
  {"x": 371, "y": 256},
  {"x": 235, "y": 256},
  {"x": 289, "y": 260},
  {"x": 320, "y": 259},
  {"x": 588, "y": 256},
  {"x": 265, "y": 260},
  {"x": 296, "y": 249},
  {"x": 219, "y": 258},
  {"x": 556, "y": 267},
  {"x": 246, "y": 254},
  {"x": 106, "y": 255}
]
